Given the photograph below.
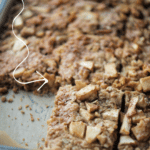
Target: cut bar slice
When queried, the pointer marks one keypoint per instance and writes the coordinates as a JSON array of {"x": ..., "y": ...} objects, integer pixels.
[
  {"x": 74, "y": 126},
  {"x": 135, "y": 129}
]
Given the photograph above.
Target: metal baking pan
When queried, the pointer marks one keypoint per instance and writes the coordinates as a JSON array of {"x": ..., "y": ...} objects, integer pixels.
[{"x": 4, "y": 10}]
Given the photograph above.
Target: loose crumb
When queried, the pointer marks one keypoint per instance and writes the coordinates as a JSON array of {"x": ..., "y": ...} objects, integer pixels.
[
  {"x": 51, "y": 106},
  {"x": 15, "y": 89},
  {"x": 32, "y": 119},
  {"x": 38, "y": 119},
  {"x": 41, "y": 147},
  {"x": 21, "y": 124},
  {"x": 8, "y": 126},
  {"x": 10, "y": 100},
  {"x": 3, "y": 99},
  {"x": 20, "y": 107},
  {"x": 13, "y": 96},
  {"x": 8, "y": 115},
  {"x": 42, "y": 125},
  {"x": 23, "y": 139},
  {"x": 26, "y": 144},
  {"x": 43, "y": 139},
  {"x": 26, "y": 106},
  {"x": 30, "y": 108},
  {"x": 38, "y": 145},
  {"x": 21, "y": 99},
  {"x": 22, "y": 112},
  {"x": 12, "y": 109},
  {"x": 47, "y": 106},
  {"x": 15, "y": 118},
  {"x": 3, "y": 90}
]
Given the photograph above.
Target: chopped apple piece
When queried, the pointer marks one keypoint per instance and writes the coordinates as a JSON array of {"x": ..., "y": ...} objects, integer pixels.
[
  {"x": 125, "y": 128},
  {"x": 86, "y": 115},
  {"x": 77, "y": 129},
  {"x": 131, "y": 110},
  {"x": 111, "y": 115},
  {"x": 110, "y": 70},
  {"x": 127, "y": 140},
  {"x": 89, "y": 92},
  {"x": 102, "y": 138},
  {"x": 145, "y": 82},
  {"x": 91, "y": 107},
  {"x": 142, "y": 130},
  {"x": 143, "y": 102},
  {"x": 139, "y": 116},
  {"x": 18, "y": 22},
  {"x": 19, "y": 72},
  {"x": 87, "y": 64},
  {"x": 92, "y": 133},
  {"x": 80, "y": 84},
  {"x": 27, "y": 14},
  {"x": 18, "y": 45}
]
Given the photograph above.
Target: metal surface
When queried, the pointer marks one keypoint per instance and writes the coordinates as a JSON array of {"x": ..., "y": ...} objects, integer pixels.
[
  {"x": 22, "y": 126},
  {"x": 4, "y": 10}
]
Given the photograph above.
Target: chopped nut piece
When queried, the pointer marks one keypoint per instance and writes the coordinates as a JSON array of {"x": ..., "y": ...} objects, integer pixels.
[
  {"x": 139, "y": 116},
  {"x": 3, "y": 99},
  {"x": 91, "y": 107},
  {"x": 131, "y": 110},
  {"x": 142, "y": 130},
  {"x": 87, "y": 64},
  {"x": 127, "y": 140},
  {"x": 110, "y": 70},
  {"x": 89, "y": 92},
  {"x": 80, "y": 84},
  {"x": 20, "y": 107},
  {"x": 77, "y": 129},
  {"x": 10, "y": 100},
  {"x": 92, "y": 133},
  {"x": 111, "y": 115},
  {"x": 86, "y": 115},
  {"x": 18, "y": 22},
  {"x": 145, "y": 82},
  {"x": 126, "y": 125}
]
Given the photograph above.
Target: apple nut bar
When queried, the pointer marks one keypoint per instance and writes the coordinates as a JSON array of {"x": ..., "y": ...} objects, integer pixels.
[{"x": 96, "y": 58}]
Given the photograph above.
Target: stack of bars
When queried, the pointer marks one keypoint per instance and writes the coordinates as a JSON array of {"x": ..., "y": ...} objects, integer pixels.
[{"x": 96, "y": 57}]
